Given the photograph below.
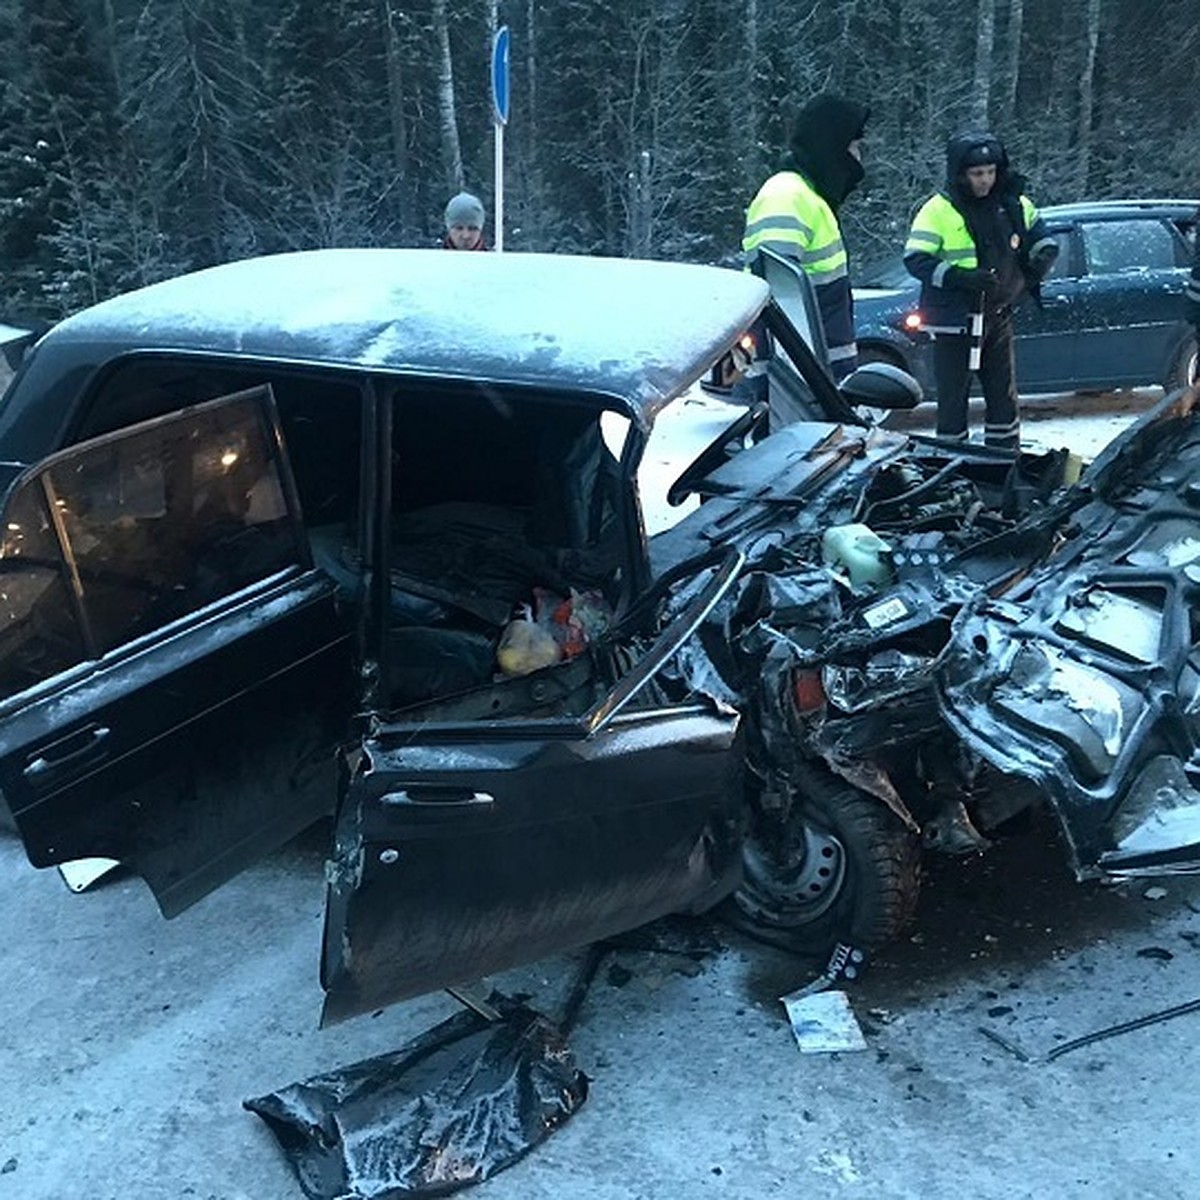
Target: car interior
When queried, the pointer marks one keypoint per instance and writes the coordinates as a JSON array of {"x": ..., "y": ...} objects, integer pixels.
[{"x": 509, "y": 546}]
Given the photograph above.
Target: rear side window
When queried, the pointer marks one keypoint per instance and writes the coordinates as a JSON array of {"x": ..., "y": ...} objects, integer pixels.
[
  {"x": 1116, "y": 246},
  {"x": 117, "y": 537}
]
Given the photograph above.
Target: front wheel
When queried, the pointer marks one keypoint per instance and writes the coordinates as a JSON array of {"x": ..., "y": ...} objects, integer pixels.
[
  {"x": 1183, "y": 368},
  {"x": 841, "y": 867}
]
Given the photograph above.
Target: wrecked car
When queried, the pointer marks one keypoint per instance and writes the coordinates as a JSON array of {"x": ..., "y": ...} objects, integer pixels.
[{"x": 290, "y": 538}]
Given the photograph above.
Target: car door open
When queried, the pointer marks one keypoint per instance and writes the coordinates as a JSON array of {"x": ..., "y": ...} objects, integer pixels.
[
  {"x": 161, "y": 623},
  {"x": 464, "y": 846}
]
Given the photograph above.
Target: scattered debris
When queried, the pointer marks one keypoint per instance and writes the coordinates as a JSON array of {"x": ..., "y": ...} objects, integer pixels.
[
  {"x": 846, "y": 962},
  {"x": 1005, "y": 1043},
  {"x": 1155, "y": 893},
  {"x": 453, "y": 1107},
  {"x": 823, "y": 1022},
  {"x": 1125, "y": 1027},
  {"x": 1161, "y": 953}
]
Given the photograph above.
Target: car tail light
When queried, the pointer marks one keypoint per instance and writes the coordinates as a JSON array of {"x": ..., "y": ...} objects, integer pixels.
[{"x": 807, "y": 691}]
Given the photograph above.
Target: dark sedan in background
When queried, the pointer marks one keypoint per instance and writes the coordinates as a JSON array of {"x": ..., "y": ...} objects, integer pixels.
[{"x": 1111, "y": 311}]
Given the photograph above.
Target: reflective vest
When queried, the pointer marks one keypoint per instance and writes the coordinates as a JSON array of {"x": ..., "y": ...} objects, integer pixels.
[
  {"x": 941, "y": 230},
  {"x": 791, "y": 218}
]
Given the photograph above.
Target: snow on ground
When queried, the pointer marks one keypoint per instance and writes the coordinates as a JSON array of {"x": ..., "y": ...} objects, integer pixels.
[{"x": 1082, "y": 422}]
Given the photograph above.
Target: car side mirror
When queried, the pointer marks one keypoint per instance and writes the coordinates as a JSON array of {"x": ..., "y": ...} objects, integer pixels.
[{"x": 881, "y": 385}]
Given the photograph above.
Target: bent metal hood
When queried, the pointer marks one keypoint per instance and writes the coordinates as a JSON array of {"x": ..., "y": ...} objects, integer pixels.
[{"x": 1086, "y": 678}]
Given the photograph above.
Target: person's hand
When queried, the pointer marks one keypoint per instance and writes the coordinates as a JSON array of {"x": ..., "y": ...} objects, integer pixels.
[
  {"x": 1042, "y": 259},
  {"x": 972, "y": 279}
]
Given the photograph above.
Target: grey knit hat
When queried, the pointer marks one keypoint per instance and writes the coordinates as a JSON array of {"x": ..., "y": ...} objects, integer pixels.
[{"x": 464, "y": 209}]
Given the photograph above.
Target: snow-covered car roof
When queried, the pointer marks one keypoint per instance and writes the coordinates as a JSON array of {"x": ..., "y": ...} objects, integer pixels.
[{"x": 636, "y": 330}]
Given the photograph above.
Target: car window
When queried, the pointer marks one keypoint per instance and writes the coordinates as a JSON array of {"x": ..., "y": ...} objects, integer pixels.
[
  {"x": 116, "y": 537},
  {"x": 1115, "y": 246}
]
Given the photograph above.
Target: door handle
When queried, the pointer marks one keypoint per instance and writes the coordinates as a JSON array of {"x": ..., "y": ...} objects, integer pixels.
[
  {"x": 439, "y": 799},
  {"x": 68, "y": 754}
]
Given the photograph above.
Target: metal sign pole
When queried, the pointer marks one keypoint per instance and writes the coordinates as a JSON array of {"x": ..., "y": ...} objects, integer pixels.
[
  {"x": 499, "y": 185},
  {"x": 500, "y": 93}
]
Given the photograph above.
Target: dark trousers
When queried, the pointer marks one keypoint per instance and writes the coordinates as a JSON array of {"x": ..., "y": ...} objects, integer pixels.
[{"x": 952, "y": 376}]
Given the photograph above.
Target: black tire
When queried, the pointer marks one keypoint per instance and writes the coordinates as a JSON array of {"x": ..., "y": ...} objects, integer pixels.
[
  {"x": 845, "y": 868},
  {"x": 1183, "y": 369}
]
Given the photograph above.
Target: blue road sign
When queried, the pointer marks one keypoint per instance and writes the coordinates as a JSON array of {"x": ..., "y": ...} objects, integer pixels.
[{"x": 500, "y": 88}]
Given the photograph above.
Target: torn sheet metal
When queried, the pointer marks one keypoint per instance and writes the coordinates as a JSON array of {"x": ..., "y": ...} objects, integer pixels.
[{"x": 451, "y": 1108}]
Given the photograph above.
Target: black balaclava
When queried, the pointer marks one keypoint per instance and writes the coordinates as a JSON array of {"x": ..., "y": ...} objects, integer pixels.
[{"x": 820, "y": 140}]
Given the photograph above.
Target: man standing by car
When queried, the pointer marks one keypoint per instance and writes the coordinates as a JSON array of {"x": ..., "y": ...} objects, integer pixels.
[
  {"x": 795, "y": 213},
  {"x": 977, "y": 247}
]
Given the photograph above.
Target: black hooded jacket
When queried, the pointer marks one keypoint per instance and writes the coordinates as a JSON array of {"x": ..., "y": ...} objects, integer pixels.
[{"x": 999, "y": 225}]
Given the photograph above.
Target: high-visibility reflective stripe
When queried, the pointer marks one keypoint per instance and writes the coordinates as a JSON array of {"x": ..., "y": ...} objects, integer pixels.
[
  {"x": 1192, "y": 291},
  {"x": 790, "y": 248},
  {"x": 777, "y": 221},
  {"x": 922, "y": 235},
  {"x": 939, "y": 274},
  {"x": 789, "y": 216},
  {"x": 832, "y": 251}
]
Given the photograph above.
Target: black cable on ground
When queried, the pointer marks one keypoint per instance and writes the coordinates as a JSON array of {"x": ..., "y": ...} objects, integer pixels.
[{"x": 1125, "y": 1027}]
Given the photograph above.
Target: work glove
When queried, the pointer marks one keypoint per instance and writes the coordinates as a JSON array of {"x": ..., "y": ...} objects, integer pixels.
[
  {"x": 972, "y": 279},
  {"x": 1042, "y": 259}
]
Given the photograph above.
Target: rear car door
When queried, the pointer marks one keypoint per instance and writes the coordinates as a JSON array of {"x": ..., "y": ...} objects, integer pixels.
[
  {"x": 466, "y": 847},
  {"x": 174, "y": 674},
  {"x": 1131, "y": 315}
]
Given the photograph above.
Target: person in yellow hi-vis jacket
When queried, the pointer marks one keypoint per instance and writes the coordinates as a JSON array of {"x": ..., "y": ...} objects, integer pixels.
[
  {"x": 795, "y": 213},
  {"x": 978, "y": 247}
]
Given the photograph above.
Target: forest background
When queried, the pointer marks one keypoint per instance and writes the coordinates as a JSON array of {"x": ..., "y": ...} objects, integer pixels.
[{"x": 143, "y": 138}]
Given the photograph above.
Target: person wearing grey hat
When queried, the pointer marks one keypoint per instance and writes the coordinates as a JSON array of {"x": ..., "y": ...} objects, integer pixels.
[{"x": 464, "y": 223}]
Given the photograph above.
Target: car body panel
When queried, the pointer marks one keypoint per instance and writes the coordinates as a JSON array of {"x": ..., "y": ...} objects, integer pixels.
[
  {"x": 453, "y": 864},
  {"x": 144, "y": 743},
  {"x": 466, "y": 845},
  {"x": 1085, "y": 679},
  {"x": 1110, "y": 314}
]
